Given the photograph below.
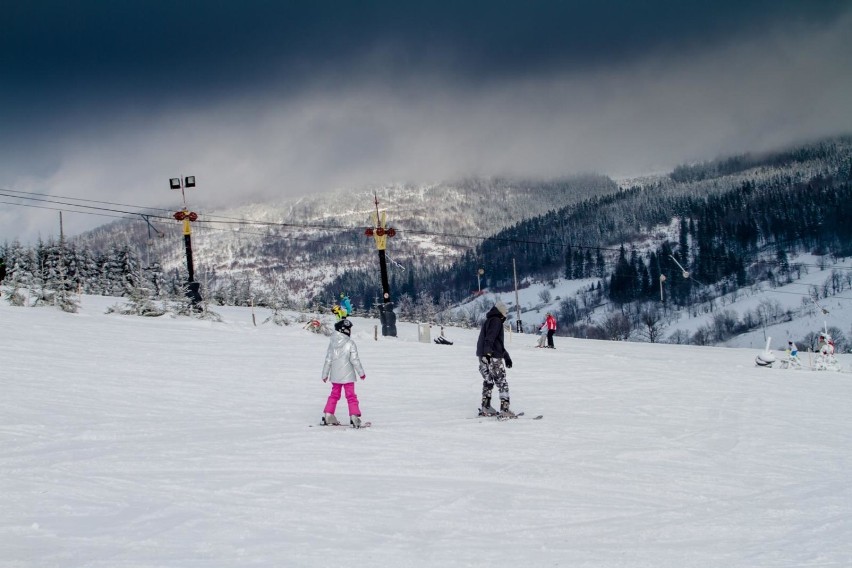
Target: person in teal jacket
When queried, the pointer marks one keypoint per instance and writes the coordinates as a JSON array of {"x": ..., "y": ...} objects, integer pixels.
[{"x": 346, "y": 304}]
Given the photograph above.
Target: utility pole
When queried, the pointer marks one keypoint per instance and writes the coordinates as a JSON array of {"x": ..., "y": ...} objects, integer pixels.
[
  {"x": 520, "y": 325},
  {"x": 380, "y": 232}
]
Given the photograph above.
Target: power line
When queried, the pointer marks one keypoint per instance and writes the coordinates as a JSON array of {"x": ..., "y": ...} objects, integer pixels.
[
  {"x": 74, "y": 199},
  {"x": 60, "y": 209}
]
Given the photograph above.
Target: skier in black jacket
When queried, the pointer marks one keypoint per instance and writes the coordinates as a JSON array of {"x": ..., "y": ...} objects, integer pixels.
[{"x": 491, "y": 352}]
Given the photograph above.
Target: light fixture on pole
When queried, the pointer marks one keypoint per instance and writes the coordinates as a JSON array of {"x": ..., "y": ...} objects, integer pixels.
[{"x": 178, "y": 183}]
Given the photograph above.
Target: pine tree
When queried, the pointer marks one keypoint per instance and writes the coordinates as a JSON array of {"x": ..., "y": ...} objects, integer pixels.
[
  {"x": 600, "y": 265},
  {"x": 578, "y": 264},
  {"x": 622, "y": 287},
  {"x": 569, "y": 262},
  {"x": 65, "y": 298}
]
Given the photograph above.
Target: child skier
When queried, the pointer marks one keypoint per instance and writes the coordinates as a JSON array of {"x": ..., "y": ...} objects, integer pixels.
[
  {"x": 342, "y": 366},
  {"x": 542, "y": 336}
]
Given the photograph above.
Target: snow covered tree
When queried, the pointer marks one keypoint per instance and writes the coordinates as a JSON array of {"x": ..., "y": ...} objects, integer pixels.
[{"x": 652, "y": 324}]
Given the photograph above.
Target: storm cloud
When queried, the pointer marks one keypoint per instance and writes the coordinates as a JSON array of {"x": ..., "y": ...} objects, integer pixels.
[{"x": 267, "y": 100}]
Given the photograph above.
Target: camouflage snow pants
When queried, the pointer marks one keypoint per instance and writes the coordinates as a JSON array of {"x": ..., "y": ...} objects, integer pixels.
[{"x": 494, "y": 373}]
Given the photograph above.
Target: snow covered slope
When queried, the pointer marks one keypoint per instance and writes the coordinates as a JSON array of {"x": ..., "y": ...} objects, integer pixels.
[
  {"x": 798, "y": 315},
  {"x": 137, "y": 442}
]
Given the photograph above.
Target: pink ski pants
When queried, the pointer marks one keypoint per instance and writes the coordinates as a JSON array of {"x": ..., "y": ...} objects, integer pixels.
[{"x": 351, "y": 398}]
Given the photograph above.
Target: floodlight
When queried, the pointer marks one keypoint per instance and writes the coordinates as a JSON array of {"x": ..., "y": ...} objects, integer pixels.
[
  {"x": 189, "y": 181},
  {"x": 174, "y": 183}
]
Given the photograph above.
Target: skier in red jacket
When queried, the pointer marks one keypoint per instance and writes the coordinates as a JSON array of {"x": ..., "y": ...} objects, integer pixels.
[{"x": 550, "y": 323}]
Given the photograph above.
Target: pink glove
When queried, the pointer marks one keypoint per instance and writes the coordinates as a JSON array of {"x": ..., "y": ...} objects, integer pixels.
[
  {"x": 363, "y": 377},
  {"x": 325, "y": 379}
]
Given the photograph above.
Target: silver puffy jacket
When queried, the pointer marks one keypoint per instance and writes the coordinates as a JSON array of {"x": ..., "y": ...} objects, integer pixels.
[{"x": 342, "y": 364}]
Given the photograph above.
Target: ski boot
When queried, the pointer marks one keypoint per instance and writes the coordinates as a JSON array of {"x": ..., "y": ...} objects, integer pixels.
[
  {"x": 329, "y": 419},
  {"x": 355, "y": 421},
  {"x": 486, "y": 409},
  {"x": 505, "y": 413}
]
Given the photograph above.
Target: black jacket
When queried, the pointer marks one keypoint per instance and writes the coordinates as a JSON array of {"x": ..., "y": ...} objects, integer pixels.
[{"x": 491, "y": 336}]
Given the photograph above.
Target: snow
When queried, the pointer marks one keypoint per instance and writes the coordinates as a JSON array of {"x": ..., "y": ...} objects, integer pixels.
[
  {"x": 135, "y": 442},
  {"x": 789, "y": 297}
]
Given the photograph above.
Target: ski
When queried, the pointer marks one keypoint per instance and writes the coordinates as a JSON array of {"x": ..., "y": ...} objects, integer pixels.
[
  {"x": 363, "y": 425},
  {"x": 519, "y": 415},
  {"x": 516, "y": 416}
]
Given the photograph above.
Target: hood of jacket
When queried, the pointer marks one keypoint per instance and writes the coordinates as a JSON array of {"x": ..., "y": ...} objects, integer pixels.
[{"x": 495, "y": 313}]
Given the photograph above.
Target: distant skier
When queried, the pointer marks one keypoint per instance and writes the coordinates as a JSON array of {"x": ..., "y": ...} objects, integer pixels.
[
  {"x": 346, "y": 304},
  {"x": 339, "y": 312},
  {"x": 792, "y": 361},
  {"x": 792, "y": 350},
  {"x": 492, "y": 354},
  {"x": 550, "y": 324},
  {"x": 342, "y": 366},
  {"x": 825, "y": 346},
  {"x": 2, "y": 270}
]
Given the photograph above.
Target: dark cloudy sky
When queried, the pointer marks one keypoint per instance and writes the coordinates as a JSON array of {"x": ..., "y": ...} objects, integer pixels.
[{"x": 106, "y": 100}]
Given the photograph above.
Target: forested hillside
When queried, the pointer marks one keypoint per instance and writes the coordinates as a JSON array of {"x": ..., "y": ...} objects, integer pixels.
[
  {"x": 726, "y": 224},
  {"x": 294, "y": 249},
  {"x": 676, "y": 241}
]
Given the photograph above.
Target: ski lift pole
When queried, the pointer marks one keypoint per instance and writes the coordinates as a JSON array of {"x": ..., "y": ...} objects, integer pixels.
[
  {"x": 823, "y": 310},
  {"x": 380, "y": 232},
  {"x": 684, "y": 270},
  {"x": 517, "y": 300},
  {"x": 151, "y": 227},
  {"x": 187, "y": 217}
]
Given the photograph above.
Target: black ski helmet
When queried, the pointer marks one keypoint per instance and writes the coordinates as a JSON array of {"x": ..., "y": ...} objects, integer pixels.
[{"x": 344, "y": 326}]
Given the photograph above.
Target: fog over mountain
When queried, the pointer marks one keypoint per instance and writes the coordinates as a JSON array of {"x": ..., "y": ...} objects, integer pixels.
[{"x": 108, "y": 102}]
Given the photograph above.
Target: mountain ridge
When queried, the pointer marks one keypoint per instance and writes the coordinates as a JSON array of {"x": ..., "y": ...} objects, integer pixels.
[{"x": 302, "y": 243}]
